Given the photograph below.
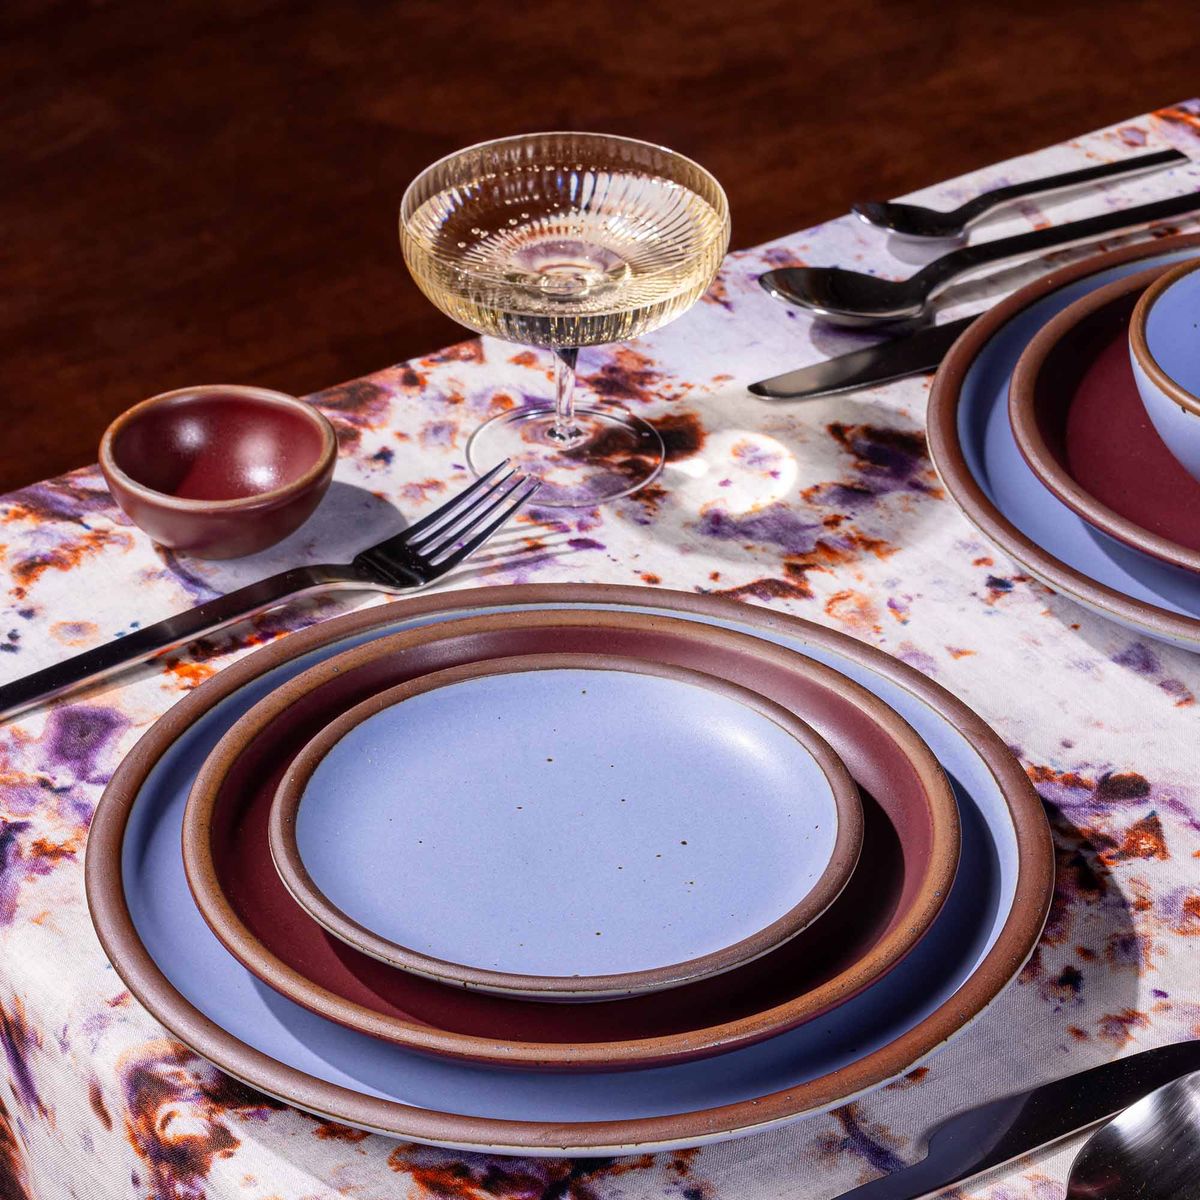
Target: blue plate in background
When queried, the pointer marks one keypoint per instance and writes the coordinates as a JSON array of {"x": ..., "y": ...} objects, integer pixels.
[{"x": 973, "y": 448}]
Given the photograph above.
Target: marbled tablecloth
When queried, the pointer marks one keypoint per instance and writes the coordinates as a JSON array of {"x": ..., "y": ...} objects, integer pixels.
[{"x": 829, "y": 509}]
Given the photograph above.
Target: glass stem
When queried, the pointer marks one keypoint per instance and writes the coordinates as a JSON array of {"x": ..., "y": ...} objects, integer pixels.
[{"x": 564, "y": 431}]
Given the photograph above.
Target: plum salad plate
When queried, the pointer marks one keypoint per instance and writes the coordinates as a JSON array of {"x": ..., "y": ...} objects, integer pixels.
[
  {"x": 1082, "y": 428},
  {"x": 976, "y": 454},
  {"x": 153, "y": 932},
  {"x": 909, "y": 858},
  {"x": 566, "y": 826}
]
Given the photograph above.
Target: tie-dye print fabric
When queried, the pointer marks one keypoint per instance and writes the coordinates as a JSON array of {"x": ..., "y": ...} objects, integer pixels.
[{"x": 828, "y": 509}]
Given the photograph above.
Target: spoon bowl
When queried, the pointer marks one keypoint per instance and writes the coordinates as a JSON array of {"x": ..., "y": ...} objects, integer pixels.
[
  {"x": 848, "y": 298},
  {"x": 1151, "y": 1151},
  {"x": 914, "y": 221}
]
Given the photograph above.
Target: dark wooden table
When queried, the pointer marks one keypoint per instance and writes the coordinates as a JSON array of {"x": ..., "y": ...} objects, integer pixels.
[{"x": 206, "y": 192}]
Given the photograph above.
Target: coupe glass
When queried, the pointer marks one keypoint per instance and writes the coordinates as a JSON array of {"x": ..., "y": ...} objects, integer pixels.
[{"x": 565, "y": 240}]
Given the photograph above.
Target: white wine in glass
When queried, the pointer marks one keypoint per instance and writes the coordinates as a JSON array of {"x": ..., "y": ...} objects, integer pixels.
[{"x": 565, "y": 240}]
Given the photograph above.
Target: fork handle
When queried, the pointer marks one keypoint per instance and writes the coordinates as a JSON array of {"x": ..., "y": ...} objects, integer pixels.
[
  {"x": 99, "y": 663},
  {"x": 986, "y": 201}
]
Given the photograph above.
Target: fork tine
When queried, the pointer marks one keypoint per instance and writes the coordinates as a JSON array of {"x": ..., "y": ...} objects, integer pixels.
[
  {"x": 439, "y": 530},
  {"x": 447, "y": 564},
  {"x": 432, "y": 540},
  {"x": 444, "y": 510},
  {"x": 473, "y": 519}
]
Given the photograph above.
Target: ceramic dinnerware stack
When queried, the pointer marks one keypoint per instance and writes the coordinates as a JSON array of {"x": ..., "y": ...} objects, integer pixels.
[
  {"x": 568, "y": 869},
  {"x": 1066, "y": 424}
]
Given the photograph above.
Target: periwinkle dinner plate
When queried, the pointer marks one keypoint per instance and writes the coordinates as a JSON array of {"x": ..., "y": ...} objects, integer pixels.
[
  {"x": 157, "y": 940},
  {"x": 566, "y": 826},
  {"x": 972, "y": 445},
  {"x": 1081, "y": 426},
  {"x": 910, "y": 853}
]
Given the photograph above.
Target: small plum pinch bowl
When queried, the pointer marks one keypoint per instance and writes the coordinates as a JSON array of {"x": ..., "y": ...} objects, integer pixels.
[{"x": 219, "y": 471}]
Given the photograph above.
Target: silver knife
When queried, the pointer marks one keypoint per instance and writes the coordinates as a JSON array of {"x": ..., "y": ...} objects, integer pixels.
[
  {"x": 981, "y": 1138},
  {"x": 908, "y": 355}
]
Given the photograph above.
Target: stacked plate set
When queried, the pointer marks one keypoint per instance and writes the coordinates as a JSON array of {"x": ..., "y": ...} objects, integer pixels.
[
  {"x": 1066, "y": 424},
  {"x": 575, "y": 869}
]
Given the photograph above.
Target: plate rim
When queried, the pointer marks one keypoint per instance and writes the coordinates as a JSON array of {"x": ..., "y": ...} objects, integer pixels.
[
  {"x": 1013, "y": 945},
  {"x": 829, "y": 884},
  {"x": 946, "y": 451},
  {"x": 1022, "y": 412},
  {"x": 231, "y": 930}
]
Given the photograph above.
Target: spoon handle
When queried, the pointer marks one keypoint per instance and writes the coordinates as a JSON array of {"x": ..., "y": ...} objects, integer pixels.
[
  {"x": 958, "y": 262},
  {"x": 995, "y": 197}
]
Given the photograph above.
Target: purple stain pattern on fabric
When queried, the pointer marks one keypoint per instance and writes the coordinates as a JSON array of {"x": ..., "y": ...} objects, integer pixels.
[
  {"x": 1087, "y": 799},
  {"x": 1070, "y": 981},
  {"x": 777, "y": 525},
  {"x": 198, "y": 588},
  {"x": 1124, "y": 949},
  {"x": 756, "y": 457},
  {"x": 361, "y": 401},
  {"x": 823, "y": 536},
  {"x": 10, "y": 867},
  {"x": 886, "y": 460},
  {"x": 483, "y": 1177},
  {"x": 920, "y": 659},
  {"x": 69, "y": 498},
  {"x": 77, "y": 737},
  {"x": 352, "y": 407},
  {"x": 20, "y": 1041},
  {"x": 176, "y": 1107},
  {"x": 858, "y": 1141},
  {"x": 439, "y": 433},
  {"x": 14, "y": 1179},
  {"x": 23, "y": 792},
  {"x": 1137, "y": 656}
]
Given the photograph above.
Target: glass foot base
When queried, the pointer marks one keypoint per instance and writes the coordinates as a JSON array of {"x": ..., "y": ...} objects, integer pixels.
[{"x": 617, "y": 454}]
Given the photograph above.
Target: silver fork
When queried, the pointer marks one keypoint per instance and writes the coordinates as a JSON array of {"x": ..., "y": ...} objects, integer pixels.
[{"x": 410, "y": 560}]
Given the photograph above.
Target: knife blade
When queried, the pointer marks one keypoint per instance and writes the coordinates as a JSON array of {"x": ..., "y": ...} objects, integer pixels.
[
  {"x": 908, "y": 355},
  {"x": 974, "y": 1141}
]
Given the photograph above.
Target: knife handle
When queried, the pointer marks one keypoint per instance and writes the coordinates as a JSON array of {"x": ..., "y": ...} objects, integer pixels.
[
  {"x": 910, "y": 354},
  {"x": 95, "y": 665},
  {"x": 1064, "y": 1106},
  {"x": 974, "y": 1141}
]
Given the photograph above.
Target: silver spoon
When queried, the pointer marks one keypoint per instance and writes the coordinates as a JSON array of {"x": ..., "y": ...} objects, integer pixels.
[
  {"x": 917, "y": 221},
  {"x": 853, "y": 298},
  {"x": 1151, "y": 1151}
]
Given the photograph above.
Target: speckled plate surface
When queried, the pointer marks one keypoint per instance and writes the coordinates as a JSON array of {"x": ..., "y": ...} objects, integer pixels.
[
  {"x": 566, "y": 826},
  {"x": 1082, "y": 428},
  {"x": 972, "y": 445},
  {"x": 143, "y": 912},
  {"x": 909, "y": 857}
]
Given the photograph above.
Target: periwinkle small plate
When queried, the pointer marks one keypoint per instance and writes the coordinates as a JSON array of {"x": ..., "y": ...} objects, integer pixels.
[{"x": 566, "y": 826}]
